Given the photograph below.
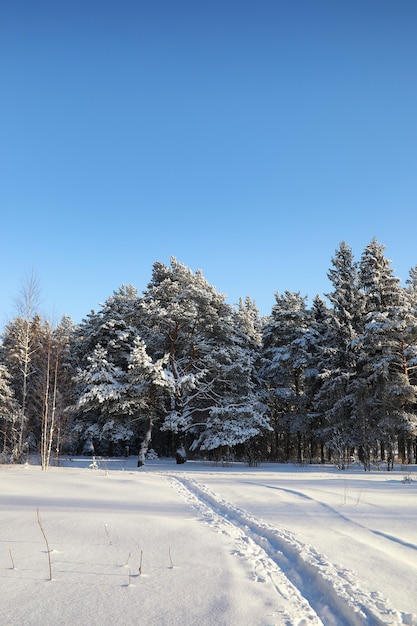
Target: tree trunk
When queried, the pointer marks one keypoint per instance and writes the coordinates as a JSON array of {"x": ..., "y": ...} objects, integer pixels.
[{"x": 145, "y": 442}]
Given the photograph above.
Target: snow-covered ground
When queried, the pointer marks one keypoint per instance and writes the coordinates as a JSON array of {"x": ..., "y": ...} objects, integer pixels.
[{"x": 199, "y": 545}]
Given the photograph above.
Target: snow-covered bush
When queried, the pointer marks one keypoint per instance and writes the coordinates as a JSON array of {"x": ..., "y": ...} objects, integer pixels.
[{"x": 151, "y": 455}]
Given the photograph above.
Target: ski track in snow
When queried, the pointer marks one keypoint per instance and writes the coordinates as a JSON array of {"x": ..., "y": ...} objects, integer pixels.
[
  {"x": 327, "y": 507},
  {"x": 311, "y": 590}
]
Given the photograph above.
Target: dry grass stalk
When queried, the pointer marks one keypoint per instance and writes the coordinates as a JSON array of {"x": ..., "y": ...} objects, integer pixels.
[
  {"x": 46, "y": 543},
  {"x": 108, "y": 534},
  {"x": 11, "y": 558}
]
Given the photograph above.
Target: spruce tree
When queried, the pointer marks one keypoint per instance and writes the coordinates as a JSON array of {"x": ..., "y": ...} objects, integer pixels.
[
  {"x": 320, "y": 350},
  {"x": 104, "y": 341},
  {"x": 284, "y": 361},
  {"x": 337, "y": 365},
  {"x": 382, "y": 390}
]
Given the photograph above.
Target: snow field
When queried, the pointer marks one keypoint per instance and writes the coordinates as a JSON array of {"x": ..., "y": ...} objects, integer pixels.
[
  {"x": 193, "y": 544},
  {"x": 93, "y": 521}
]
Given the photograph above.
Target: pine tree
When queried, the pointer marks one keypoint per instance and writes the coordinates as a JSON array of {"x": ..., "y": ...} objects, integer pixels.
[
  {"x": 9, "y": 415},
  {"x": 249, "y": 327},
  {"x": 285, "y": 359},
  {"x": 382, "y": 390},
  {"x": 209, "y": 373},
  {"x": 114, "y": 326},
  {"x": 407, "y": 442},
  {"x": 319, "y": 349},
  {"x": 236, "y": 415},
  {"x": 104, "y": 341},
  {"x": 102, "y": 388},
  {"x": 146, "y": 384},
  {"x": 337, "y": 366},
  {"x": 178, "y": 311}
]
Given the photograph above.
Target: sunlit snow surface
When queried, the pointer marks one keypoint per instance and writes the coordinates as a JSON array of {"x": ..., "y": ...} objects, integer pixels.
[{"x": 201, "y": 545}]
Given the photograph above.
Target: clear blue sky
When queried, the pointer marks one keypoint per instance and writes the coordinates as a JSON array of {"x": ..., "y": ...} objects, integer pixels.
[{"x": 245, "y": 138}]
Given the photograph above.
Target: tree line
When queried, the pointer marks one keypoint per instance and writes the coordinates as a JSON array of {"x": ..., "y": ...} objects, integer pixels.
[{"x": 179, "y": 370}]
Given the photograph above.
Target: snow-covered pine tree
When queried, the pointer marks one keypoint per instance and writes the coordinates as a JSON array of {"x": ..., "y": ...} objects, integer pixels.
[
  {"x": 114, "y": 327},
  {"x": 178, "y": 309},
  {"x": 249, "y": 326},
  {"x": 63, "y": 339},
  {"x": 319, "y": 348},
  {"x": 382, "y": 390},
  {"x": 337, "y": 365},
  {"x": 407, "y": 444},
  {"x": 283, "y": 365},
  {"x": 411, "y": 281},
  {"x": 236, "y": 415},
  {"x": 9, "y": 415},
  {"x": 411, "y": 343},
  {"x": 103, "y": 410},
  {"x": 183, "y": 316},
  {"x": 146, "y": 383},
  {"x": 101, "y": 401}
]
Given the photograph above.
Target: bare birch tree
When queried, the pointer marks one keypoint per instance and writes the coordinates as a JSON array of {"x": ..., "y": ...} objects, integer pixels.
[
  {"x": 18, "y": 350},
  {"x": 54, "y": 387}
]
